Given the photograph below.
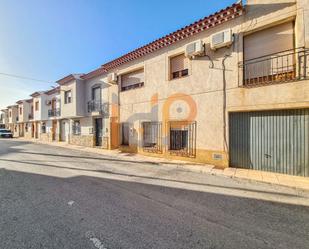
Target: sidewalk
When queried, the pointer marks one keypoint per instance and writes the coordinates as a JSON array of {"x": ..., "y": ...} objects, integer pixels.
[{"x": 297, "y": 182}]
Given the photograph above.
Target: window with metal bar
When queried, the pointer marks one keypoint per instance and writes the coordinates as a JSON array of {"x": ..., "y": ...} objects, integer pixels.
[
  {"x": 76, "y": 129},
  {"x": 152, "y": 136},
  {"x": 43, "y": 127},
  {"x": 182, "y": 138}
]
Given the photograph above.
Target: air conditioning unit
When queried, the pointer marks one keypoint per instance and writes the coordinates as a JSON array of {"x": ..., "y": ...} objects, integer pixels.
[
  {"x": 48, "y": 102},
  {"x": 221, "y": 39},
  {"x": 195, "y": 49},
  {"x": 112, "y": 78}
]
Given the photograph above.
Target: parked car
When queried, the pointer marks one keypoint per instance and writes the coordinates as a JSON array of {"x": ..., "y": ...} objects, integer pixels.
[{"x": 5, "y": 133}]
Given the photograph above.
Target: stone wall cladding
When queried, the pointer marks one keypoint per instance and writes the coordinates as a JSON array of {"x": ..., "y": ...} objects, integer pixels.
[
  {"x": 44, "y": 137},
  {"x": 28, "y": 135},
  {"x": 82, "y": 140}
]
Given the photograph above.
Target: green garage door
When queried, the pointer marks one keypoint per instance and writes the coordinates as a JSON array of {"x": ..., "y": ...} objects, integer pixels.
[{"x": 276, "y": 141}]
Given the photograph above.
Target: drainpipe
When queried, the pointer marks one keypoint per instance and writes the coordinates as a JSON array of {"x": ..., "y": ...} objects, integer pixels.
[{"x": 225, "y": 144}]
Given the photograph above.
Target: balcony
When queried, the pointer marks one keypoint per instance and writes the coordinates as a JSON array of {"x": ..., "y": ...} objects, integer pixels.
[
  {"x": 285, "y": 66},
  {"x": 98, "y": 106},
  {"x": 54, "y": 113}
]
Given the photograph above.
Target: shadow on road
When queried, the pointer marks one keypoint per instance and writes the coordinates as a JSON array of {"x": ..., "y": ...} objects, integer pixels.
[
  {"x": 146, "y": 177},
  {"x": 98, "y": 158},
  {"x": 136, "y": 215}
]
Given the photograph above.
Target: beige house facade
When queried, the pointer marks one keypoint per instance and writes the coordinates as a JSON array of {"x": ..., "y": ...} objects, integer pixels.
[
  {"x": 229, "y": 90},
  {"x": 216, "y": 106},
  {"x": 13, "y": 119},
  {"x": 4, "y": 118},
  {"x": 24, "y": 109},
  {"x": 85, "y": 111}
]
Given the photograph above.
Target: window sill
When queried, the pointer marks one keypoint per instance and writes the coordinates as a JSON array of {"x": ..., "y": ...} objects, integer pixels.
[
  {"x": 141, "y": 85},
  {"x": 175, "y": 79}
]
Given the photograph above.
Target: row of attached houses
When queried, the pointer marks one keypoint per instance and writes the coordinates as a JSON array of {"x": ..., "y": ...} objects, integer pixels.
[{"x": 231, "y": 89}]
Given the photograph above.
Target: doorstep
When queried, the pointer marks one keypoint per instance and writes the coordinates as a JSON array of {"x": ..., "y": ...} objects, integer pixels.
[{"x": 297, "y": 182}]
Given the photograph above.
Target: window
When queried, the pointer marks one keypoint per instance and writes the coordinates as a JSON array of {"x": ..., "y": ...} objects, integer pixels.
[
  {"x": 269, "y": 55},
  {"x": 20, "y": 110},
  {"x": 37, "y": 105},
  {"x": 96, "y": 94},
  {"x": 182, "y": 138},
  {"x": 43, "y": 127},
  {"x": 152, "y": 136},
  {"x": 68, "y": 97},
  {"x": 269, "y": 41},
  {"x": 76, "y": 127},
  {"x": 26, "y": 127},
  {"x": 178, "y": 66},
  {"x": 125, "y": 133},
  {"x": 132, "y": 80},
  {"x": 10, "y": 114}
]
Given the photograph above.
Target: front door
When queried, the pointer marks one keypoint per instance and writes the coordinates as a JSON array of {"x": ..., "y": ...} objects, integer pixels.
[
  {"x": 36, "y": 130},
  {"x": 32, "y": 130},
  {"x": 98, "y": 131},
  {"x": 64, "y": 130},
  {"x": 54, "y": 129}
]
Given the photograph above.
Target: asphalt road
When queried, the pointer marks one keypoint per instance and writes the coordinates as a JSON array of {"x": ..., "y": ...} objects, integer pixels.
[{"x": 53, "y": 197}]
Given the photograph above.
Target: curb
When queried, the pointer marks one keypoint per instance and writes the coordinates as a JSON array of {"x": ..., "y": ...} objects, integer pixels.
[{"x": 189, "y": 167}]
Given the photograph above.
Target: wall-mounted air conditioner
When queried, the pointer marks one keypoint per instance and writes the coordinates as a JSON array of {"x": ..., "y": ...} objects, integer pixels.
[
  {"x": 194, "y": 49},
  {"x": 221, "y": 39},
  {"x": 112, "y": 78}
]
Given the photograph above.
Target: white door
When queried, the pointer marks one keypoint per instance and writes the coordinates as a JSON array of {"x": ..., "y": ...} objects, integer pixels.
[
  {"x": 67, "y": 130},
  {"x": 63, "y": 131}
]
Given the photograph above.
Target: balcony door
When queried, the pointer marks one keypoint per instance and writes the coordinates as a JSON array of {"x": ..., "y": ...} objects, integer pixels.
[
  {"x": 96, "y": 94},
  {"x": 53, "y": 104},
  {"x": 268, "y": 54}
]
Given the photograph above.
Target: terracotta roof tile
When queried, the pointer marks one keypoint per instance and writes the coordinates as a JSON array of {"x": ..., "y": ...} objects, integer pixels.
[
  {"x": 68, "y": 78},
  {"x": 52, "y": 91}
]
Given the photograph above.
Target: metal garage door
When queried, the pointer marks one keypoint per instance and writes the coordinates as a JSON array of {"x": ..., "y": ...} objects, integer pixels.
[{"x": 275, "y": 141}]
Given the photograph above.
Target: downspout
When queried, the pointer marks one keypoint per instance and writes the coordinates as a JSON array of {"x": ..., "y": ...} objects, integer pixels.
[{"x": 225, "y": 143}]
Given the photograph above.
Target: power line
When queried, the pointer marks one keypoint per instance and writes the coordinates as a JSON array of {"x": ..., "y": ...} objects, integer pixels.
[{"x": 26, "y": 78}]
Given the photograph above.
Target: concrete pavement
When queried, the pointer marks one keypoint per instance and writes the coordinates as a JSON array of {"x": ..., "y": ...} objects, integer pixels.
[
  {"x": 297, "y": 182},
  {"x": 55, "y": 197}
]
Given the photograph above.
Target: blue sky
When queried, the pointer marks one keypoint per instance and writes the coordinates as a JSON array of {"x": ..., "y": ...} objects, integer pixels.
[{"x": 52, "y": 38}]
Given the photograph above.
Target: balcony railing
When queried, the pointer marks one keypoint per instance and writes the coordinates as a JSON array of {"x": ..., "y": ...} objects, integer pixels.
[
  {"x": 98, "y": 106},
  {"x": 285, "y": 66},
  {"x": 30, "y": 116},
  {"x": 54, "y": 112}
]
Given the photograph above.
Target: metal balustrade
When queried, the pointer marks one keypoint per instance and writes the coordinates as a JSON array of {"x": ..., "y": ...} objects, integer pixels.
[
  {"x": 98, "y": 106},
  {"x": 54, "y": 112},
  {"x": 285, "y": 66}
]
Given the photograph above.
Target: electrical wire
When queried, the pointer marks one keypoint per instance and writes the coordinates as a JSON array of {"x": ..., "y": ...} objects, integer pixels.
[{"x": 26, "y": 78}]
